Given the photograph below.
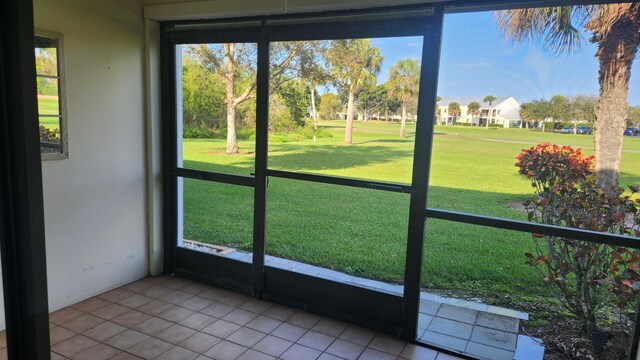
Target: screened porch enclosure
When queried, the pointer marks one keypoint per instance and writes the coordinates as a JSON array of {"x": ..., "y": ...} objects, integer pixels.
[{"x": 232, "y": 174}]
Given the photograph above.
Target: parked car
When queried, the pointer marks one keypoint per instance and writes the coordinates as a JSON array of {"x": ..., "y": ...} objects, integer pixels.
[
  {"x": 632, "y": 132},
  {"x": 567, "y": 130},
  {"x": 585, "y": 130}
]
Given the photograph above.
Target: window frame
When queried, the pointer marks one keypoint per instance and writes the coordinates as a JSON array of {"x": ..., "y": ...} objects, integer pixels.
[{"x": 62, "y": 95}]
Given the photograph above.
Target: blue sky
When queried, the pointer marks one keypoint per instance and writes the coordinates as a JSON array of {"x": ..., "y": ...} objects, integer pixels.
[{"x": 477, "y": 61}]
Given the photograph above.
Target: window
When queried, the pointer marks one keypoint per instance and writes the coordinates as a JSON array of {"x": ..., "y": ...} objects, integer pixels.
[{"x": 51, "y": 96}]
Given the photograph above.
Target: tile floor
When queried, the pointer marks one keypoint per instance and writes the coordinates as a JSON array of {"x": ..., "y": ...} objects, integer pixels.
[{"x": 173, "y": 318}]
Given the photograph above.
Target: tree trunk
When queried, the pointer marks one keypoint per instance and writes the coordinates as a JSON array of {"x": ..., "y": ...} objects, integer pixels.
[
  {"x": 349, "y": 126},
  {"x": 313, "y": 108},
  {"x": 232, "y": 141},
  {"x": 616, "y": 53},
  {"x": 386, "y": 115},
  {"x": 229, "y": 79},
  {"x": 403, "y": 121}
]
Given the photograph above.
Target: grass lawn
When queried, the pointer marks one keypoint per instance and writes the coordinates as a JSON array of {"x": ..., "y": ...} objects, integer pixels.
[
  {"x": 362, "y": 231},
  {"x": 48, "y": 105}
]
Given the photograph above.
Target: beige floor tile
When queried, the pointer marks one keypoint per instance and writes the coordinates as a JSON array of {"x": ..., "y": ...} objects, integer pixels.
[
  {"x": 316, "y": 340},
  {"x": 256, "y": 306},
  {"x": 152, "y": 326},
  {"x": 56, "y": 335},
  {"x": 289, "y": 332},
  {"x": 255, "y": 355},
  {"x": 240, "y": 316},
  {"x": 196, "y": 303},
  {"x": 177, "y": 283},
  {"x": 135, "y": 301},
  {"x": 387, "y": 344},
  {"x": 177, "y": 353},
  {"x": 176, "y": 314},
  {"x": 279, "y": 312},
  {"x": 217, "y": 310},
  {"x": 156, "y": 292},
  {"x": 175, "y": 334},
  {"x": 126, "y": 339},
  {"x": 330, "y": 327},
  {"x": 304, "y": 319},
  {"x": 73, "y": 345},
  {"x": 155, "y": 307},
  {"x": 64, "y": 315},
  {"x": 221, "y": 329},
  {"x": 150, "y": 348},
  {"x": 176, "y": 297},
  {"x": 97, "y": 352},
  {"x": 357, "y": 335},
  {"x": 414, "y": 352},
  {"x": 131, "y": 318},
  {"x": 54, "y": 356},
  {"x": 125, "y": 356},
  {"x": 91, "y": 304},
  {"x": 83, "y": 323},
  {"x": 345, "y": 349},
  {"x": 198, "y": 321},
  {"x": 200, "y": 342},
  {"x": 246, "y": 337},
  {"x": 273, "y": 346},
  {"x": 138, "y": 286},
  {"x": 104, "y": 331},
  {"x": 264, "y": 324},
  {"x": 214, "y": 293},
  {"x": 110, "y": 311},
  {"x": 195, "y": 288},
  {"x": 225, "y": 350},
  {"x": 298, "y": 352},
  {"x": 235, "y": 299},
  {"x": 371, "y": 354},
  {"x": 116, "y": 294}
]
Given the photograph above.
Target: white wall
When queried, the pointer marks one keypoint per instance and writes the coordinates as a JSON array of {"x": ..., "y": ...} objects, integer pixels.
[{"x": 95, "y": 204}]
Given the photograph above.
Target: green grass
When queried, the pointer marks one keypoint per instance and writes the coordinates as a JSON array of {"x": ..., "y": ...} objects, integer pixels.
[
  {"x": 362, "y": 231},
  {"x": 48, "y": 106}
]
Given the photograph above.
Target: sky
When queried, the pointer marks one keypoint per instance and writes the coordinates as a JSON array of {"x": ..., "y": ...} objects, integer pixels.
[{"x": 477, "y": 61}]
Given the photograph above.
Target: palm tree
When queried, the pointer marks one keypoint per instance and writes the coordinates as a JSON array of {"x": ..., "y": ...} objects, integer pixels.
[
  {"x": 489, "y": 99},
  {"x": 615, "y": 28},
  {"x": 473, "y": 109},
  {"x": 404, "y": 80},
  {"x": 354, "y": 64},
  {"x": 454, "y": 110}
]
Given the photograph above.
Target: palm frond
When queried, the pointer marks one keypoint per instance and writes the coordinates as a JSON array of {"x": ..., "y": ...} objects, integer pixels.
[{"x": 555, "y": 28}]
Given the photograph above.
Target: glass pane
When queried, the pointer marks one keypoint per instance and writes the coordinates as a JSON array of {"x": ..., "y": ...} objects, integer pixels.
[
  {"x": 319, "y": 88},
  {"x": 48, "y": 99},
  {"x": 46, "y": 56},
  {"x": 482, "y": 296},
  {"x": 344, "y": 234},
  {"x": 215, "y": 218},
  {"x": 217, "y": 109},
  {"x": 535, "y": 97}
]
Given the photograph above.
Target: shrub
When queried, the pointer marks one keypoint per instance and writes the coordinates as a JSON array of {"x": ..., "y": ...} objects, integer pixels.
[
  {"x": 580, "y": 272},
  {"x": 48, "y": 135},
  {"x": 195, "y": 132}
]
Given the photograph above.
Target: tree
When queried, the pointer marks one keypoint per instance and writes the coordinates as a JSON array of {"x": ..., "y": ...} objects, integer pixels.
[
  {"x": 235, "y": 65},
  {"x": 454, "y": 111},
  {"x": 330, "y": 105},
  {"x": 615, "y": 28},
  {"x": 199, "y": 110},
  {"x": 583, "y": 108},
  {"x": 314, "y": 71},
  {"x": 560, "y": 110},
  {"x": 371, "y": 100},
  {"x": 403, "y": 84},
  {"x": 489, "y": 99},
  {"x": 633, "y": 119},
  {"x": 473, "y": 109},
  {"x": 354, "y": 62}
]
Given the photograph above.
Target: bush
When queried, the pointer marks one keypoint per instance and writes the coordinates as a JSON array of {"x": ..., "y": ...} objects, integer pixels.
[
  {"x": 581, "y": 273},
  {"x": 194, "y": 132},
  {"x": 48, "y": 135}
]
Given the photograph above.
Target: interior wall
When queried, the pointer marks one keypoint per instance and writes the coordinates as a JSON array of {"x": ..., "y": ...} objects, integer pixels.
[{"x": 95, "y": 215}]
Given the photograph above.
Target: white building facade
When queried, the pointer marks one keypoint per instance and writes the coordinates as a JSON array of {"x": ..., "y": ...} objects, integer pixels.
[{"x": 505, "y": 112}]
